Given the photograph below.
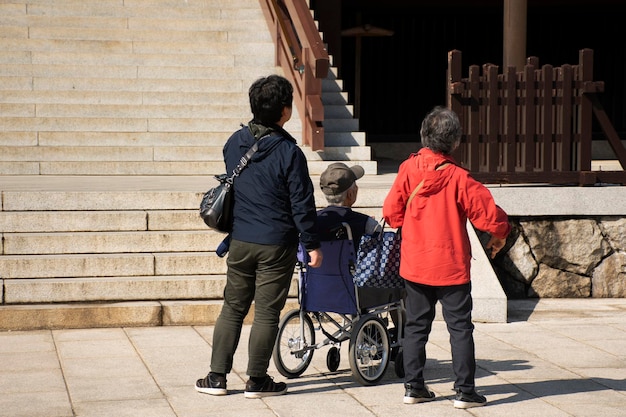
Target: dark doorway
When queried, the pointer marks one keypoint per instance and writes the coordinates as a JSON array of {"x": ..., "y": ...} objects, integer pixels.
[{"x": 403, "y": 76}]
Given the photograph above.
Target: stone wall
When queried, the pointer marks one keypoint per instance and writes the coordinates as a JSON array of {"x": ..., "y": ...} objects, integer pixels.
[{"x": 564, "y": 258}]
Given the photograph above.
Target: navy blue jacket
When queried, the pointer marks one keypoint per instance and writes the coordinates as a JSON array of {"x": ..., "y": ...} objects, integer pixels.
[
  {"x": 331, "y": 216},
  {"x": 274, "y": 196}
]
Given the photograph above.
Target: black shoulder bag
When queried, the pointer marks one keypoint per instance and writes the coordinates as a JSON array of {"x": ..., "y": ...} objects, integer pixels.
[{"x": 216, "y": 207}]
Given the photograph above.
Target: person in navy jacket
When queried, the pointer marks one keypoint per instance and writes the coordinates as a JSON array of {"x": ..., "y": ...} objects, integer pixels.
[{"x": 274, "y": 209}]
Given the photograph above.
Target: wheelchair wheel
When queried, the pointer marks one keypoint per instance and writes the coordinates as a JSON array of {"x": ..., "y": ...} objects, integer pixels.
[
  {"x": 291, "y": 353},
  {"x": 332, "y": 359},
  {"x": 369, "y": 350}
]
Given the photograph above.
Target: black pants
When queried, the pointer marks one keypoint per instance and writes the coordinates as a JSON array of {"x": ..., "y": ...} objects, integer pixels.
[{"x": 456, "y": 302}]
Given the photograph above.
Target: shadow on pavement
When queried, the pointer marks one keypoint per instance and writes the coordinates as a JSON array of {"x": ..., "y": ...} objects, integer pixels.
[
  {"x": 541, "y": 389},
  {"x": 520, "y": 310}
]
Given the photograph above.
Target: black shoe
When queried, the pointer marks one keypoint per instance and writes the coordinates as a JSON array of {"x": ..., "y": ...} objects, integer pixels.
[
  {"x": 417, "y": 395},
  {"x": 267, "y": 388},
  {"x": 212, "y": 384},
  {"x": 469, "y": 400}
]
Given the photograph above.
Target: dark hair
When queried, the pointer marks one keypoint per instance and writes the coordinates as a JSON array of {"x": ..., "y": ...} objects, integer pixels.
[
  {"x": 268, "y": 97},
  {"x": 441, "y": 130}
]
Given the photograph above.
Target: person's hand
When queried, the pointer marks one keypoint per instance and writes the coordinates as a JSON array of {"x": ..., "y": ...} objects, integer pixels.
[
  {"x": 495, "y": 244},
  {"x": 315, "y": 258}
]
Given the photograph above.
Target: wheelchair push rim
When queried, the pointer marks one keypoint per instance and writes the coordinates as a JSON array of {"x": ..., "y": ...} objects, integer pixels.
[
  {"x": 294, "y": 347},
  {"x": 369, "y": 350}
]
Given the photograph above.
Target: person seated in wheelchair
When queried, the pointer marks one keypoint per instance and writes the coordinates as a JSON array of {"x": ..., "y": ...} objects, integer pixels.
[
  {"x": 338, "y": 183},
  {"x": 328, "y": 294}
]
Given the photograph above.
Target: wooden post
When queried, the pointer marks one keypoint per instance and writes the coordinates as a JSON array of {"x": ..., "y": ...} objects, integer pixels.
[{"x": 514, "y": 33}]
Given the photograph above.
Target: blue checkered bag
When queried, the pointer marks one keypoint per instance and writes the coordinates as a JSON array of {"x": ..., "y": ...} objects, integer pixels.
[{"x": 378, "y": 261}]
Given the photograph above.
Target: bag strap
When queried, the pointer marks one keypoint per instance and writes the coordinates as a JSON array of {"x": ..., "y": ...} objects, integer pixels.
[
  {"x": 243, "y": 162},
  {"x": 440, "y": 167}
]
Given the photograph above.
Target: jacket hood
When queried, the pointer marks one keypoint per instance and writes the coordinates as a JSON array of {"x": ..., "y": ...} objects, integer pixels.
[{"x": 425, "y": 164}]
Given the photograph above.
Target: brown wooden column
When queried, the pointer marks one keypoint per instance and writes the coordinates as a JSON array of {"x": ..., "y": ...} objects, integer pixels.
[{"x": 514, "y": 33}]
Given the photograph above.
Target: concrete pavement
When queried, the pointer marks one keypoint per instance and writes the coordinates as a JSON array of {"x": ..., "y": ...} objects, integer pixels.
[{"x": 554, "y": 358}]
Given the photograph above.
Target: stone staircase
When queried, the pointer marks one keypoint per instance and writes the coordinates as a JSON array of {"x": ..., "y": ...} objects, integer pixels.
[
  {"x": 113, "y": 115},
  {"x": 127, "y": 88}
]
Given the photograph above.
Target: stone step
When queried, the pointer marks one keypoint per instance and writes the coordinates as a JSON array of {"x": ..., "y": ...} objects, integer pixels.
[
  {"x": 32, "y": 19},
  {"x": 140, "y": 168},
  {"x": 17, "y": 116},
  {"x": 176, "y": 15},
  {"x": 140, "y": 91},
  {"x": 338, "y": 111},
  {"x": 332, "y": 85},
  {"x": 139, "y": 8},
  {"x": 156, "y": 194},
  {"x": 115, "y": 139},
  {"x": 135, "y": 98},
  {"x": 349, "y": 149},
  {"x": 335, "y": 98},
  {"x": 111, "y": 153},
  {"x": 109, "y": 289},
  {"x": 127, "y": 18},
  {"x": 144, "y": 111},
  {"x": 88, "y": 221},
  {"x": 239, "y": 74},
  {"x": 183, "y": 30},
  {"x": 118, "y": 289},
  {"x": 103, "y": 47},
  {"x": 109, "y": 221},
  {"x": 117, "y": 314},
  {"x": 137, "y": 59},
  {"x": 25, "y": 123},
  {"x": 156, "y": 153},
  {"x": 341, "y": 125},
  {"x": 71, "y": 265},
  {"x": 154, "y": 87},
  {"x": 110, "y": 242},
  {"x": 356, "y": 154},
  {"x": 353, "y": 138}
]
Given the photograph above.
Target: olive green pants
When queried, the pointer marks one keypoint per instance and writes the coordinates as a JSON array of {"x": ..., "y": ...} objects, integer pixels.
[{"x": 259, "y": 273}]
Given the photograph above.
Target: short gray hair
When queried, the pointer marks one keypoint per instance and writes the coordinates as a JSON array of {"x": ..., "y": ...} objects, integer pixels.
[
  {"x": 441, "y": 130},
  {"x": 339, "y": 199}
]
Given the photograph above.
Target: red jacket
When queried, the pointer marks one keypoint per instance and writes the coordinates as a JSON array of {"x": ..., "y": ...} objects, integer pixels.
[{"x": 435, "y": 245}]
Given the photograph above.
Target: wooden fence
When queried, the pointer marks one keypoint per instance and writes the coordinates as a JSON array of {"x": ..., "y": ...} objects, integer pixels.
[
  {"x": 301, "y": 54},
  {"x": 531, "y": 126}
]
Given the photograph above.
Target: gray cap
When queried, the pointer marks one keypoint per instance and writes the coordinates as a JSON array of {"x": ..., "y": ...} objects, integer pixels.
[{"x": 338, "y": 177}]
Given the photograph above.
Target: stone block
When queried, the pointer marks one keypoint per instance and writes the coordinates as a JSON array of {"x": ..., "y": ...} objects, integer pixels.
[
  {"x": 19, "y": 168},
  {"x": 63, "y": 290},
  {"x": 189, "y": 263},
  {"x": 123, "y": 168},
  {"x": 88, "y": 265},
  {"x": 176, "y": 219},
  {"x": 72, "y": 316},
  {"x": 17, "y": 138},
  {"x": 205, "y": 313},
  {"x": 108, "y": 242},
  {"x": 490, "y": 302},
  {"x": 71, "y": 221}
]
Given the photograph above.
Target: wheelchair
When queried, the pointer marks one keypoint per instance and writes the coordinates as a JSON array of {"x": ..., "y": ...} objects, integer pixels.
[{"x": 332, "y": 305}]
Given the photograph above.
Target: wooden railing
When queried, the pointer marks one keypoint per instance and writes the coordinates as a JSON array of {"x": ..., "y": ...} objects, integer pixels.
[
  {"x": 531, "y": 126},
  {"x": 301, "y": 54}
]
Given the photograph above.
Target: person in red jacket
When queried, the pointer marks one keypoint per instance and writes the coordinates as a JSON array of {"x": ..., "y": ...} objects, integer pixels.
[{"x": 436, "y": 252}]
